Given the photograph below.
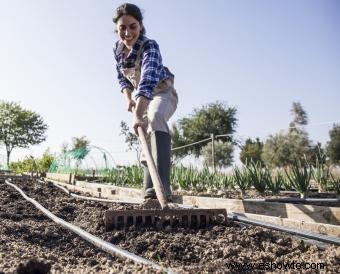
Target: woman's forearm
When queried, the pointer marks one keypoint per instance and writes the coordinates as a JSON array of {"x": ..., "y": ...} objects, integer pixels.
[{"x": 141, "y": 106}]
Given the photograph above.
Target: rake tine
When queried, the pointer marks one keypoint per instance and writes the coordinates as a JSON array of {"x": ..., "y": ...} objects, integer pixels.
[
  {"x": 185, "y": 220},
  {"x": 206, "y": 220},
  {"x": 171, "y": 220},
  {"x": 115, "y": 221},
  {"x": 181, "y": 217}
]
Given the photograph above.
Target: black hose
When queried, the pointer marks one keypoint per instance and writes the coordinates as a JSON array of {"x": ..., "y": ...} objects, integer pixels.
[
  {"x": 105, "y": 246},
  {"x": 306, "y": 234}
]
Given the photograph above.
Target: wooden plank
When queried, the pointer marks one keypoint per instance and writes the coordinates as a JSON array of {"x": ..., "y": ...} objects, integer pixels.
[
  {"x": 61, "y": 177},
  {"x": 321, "y": 228},
  {"x": 307, "y": 213}
]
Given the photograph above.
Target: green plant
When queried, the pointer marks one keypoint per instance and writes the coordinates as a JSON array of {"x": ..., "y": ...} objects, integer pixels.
[
  {"x": 208, "y": 179},
  {"x": 257, "y": 176},
  {"x": 29, "y": 164},
  {"x": 335, "y": 183},
  {"x": 299, "y": 177},
  {"x": 241, "y": 179},
  {"x": 223, "y": 181},
  {"x": 274, "y": 182},
  {"x": 320, "y": 172},
  {"x": 131, "y": 176},
  {"x": 182, "y": 177}
]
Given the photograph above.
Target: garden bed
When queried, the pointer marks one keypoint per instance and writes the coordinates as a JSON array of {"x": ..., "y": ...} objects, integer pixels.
[
  {"x": 185, "y": 250},
  {"x": 317, "y": 219}
]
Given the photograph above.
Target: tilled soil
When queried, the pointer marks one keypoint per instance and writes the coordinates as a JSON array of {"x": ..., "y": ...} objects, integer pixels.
[
  {"x": 207, "y": 250},
  {"x": 32, "y": 243}
]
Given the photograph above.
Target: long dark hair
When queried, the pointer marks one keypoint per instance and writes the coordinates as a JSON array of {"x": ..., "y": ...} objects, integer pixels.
[{"x": 129, "y": 9}]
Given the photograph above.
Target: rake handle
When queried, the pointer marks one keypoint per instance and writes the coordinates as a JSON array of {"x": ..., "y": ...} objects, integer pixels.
[{"x": 160, "y": 193}]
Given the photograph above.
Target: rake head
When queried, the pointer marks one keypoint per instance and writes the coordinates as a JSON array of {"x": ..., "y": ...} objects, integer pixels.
[{"x": 182, "y": 217}]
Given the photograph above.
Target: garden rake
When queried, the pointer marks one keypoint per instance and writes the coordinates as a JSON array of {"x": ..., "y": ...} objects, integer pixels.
[{"x": 169, "y": 214}]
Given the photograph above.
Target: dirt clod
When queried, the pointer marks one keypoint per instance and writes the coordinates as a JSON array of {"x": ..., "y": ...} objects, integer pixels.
[{"x": 33, "y": 266}]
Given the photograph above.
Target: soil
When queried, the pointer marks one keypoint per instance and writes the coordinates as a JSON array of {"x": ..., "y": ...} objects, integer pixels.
[
  {"x": 32, "y": 243},
  {"x": 206, "y": 250}
]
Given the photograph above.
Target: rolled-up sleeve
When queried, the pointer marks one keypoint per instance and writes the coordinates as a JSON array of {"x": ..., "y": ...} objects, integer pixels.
[{"x": 151, "y": 69}]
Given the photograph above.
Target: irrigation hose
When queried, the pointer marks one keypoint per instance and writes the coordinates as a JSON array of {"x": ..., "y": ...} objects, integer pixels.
[
  {"x": 105, "y": 246},
  {"x": 306, "y": 234},
  {"x": 292, "y": 200}
]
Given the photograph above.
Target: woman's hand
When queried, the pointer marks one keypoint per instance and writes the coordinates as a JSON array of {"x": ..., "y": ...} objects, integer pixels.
[
  {"x": 140, "y": 109},
  {"x": 130, "y": 104},
  {"x": 138, "y": 122}
]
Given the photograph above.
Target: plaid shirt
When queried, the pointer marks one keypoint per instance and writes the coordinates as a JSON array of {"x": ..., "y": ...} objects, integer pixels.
[{"x": 152, "y": 69}]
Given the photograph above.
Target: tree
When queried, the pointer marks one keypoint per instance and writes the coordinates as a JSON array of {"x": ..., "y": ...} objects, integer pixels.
[
  {"x": 300, "y": 117},
  {"x": 177, "y": 142},
  {"x": 80, "y": 149},
  {"x": 317, "y": 154},
  {"x": 333, "y": 146},
  {"x": 252, "y": 151},
  {"x": 223, "y": 154},
  {"x": 214, "y": 118},
  {"x": 45, "y": 162},
  {"x": 285, "y": 149},
  {"x": 131, "y": 139},
  {"x": 20, "y": 127}
]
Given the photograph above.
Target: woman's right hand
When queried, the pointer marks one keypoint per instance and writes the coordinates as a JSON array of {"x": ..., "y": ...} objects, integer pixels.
[{"x": 130, "y": 103}]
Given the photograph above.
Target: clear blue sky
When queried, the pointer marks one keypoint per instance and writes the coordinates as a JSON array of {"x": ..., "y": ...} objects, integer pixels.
[{"x": 257, "y": 55}]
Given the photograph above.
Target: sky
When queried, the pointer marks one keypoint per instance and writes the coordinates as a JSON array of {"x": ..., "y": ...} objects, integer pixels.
[{"x": 259, "y": 56}]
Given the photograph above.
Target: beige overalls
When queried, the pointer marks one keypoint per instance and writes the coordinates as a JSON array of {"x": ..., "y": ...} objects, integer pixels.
[{"x": 164, "y": 102}]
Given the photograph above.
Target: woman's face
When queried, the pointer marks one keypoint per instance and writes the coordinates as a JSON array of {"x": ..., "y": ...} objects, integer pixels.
[{"x": 128, "y": 29}]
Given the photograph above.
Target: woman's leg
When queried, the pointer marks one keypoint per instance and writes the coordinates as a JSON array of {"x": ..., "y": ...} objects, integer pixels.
[{"x": 160, "y": 110}]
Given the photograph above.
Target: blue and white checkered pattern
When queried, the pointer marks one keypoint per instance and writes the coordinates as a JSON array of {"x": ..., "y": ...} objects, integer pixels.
[{"x": 152, "y": 69}]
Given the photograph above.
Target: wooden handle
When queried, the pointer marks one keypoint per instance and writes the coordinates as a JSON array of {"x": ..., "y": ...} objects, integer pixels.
[{"x": 157, "y": 183}]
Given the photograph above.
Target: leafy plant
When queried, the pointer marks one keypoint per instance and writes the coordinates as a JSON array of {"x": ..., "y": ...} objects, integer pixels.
[
  {"x": 320, "y": 173},
  {"x": 299, "y": 177},
  {"x": 208, "y": 178},
  {"x": 257, "y": 176},
  {"x": 241, "y": 179},
  {"x": 274, "y": 182},
  {"x": 183, "y": 177},
  {"x": 131, "y": 139},
  {"x": 223, "y": 181},
  {"x": 125, "y": 176},
  {"x": 335, "y": 182}
]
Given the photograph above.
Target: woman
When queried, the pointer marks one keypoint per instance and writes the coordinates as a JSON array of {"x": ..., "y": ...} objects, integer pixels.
[{"x": 140, "y": 69}]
